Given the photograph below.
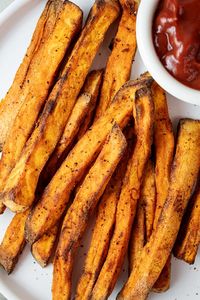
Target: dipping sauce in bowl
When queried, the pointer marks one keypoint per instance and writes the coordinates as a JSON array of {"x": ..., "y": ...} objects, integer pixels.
[{"x": 176, "y": 36}]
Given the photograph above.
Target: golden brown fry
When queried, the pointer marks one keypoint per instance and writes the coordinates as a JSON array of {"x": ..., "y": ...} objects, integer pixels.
[
  {"x": 103, "y": 226},
  {"x": 51, "y": 206},
  {"x": 188, "y": 241},
  {"x": 42, "y": 249},
  {"x": 2, "y": 208},
  {"x": 65, "y": 144},
  {"x": 10, "y": 105},
  {"x": 143, "y": 114},
  {"x": 120, "y": 61},
  {"x": 82, "y": 110},
  {"x": 143, "y": 226},
  {"x": 76, "y": 219},
  {"x": 183, "y": 177},
  {"x": 148, "y": 196},
  {"x": 42, "y": 71},
  {"x": 91, "y": 86},
  {"x": 164, "y": 150},
  {"x": 137, "y": 241},
  {"x": 13, "y": 242},
  {"x": 21, "y": 185}
]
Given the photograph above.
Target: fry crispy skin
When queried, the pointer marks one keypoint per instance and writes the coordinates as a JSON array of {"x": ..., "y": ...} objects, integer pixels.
[
  {"x": 21, "y": 184},
  {"x": 126, "y": 208},
  {"x": 75, "y": 221},
  {"x": 13, "y": 242},
  {"x": 103, "y": 226},
  {"x": 65, "y": 144},
  {"x": 55, "y": 197},
  {"x": 91, "y": 86},
  {"x": 143, "y": 225},
  {"x": 39, "y": 80},
  {"x": 10, "y": 105},
  {"x": 164, "y": 150},
  {"x": 186, "y": 246},
  {"x": 137, "y": 240},
  {"x": 182, "y": 179},
  {"x": 2, "y": 208},
  {"x": 42, "y": 249},
  {"x": 120, "y": 61},
  {"x": 148, "y": 195}
]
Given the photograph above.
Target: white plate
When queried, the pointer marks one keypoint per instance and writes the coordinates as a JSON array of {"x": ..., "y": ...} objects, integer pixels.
[{"x": 29, "y": 281}]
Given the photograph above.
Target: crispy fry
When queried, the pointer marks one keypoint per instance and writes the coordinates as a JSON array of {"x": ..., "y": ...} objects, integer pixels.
[
  {"x": 164, "y": 150},
  {"x": 55, "y": 197},
  {"x": 137, "y": 241},
  {"x": 13, "y": 242},
  {"x": 183, "y": 177},
  {"x": 143, "y": 114},
  {"x": 148, "y": 195},
  {"x": 142, "y": 229},
  {"x": 42, "y": 71},
  {"x": 66, "y": 142},
  {"x": 76, "y": 219},
  {"x": 120, "y": 61},
  {"x": 104, "y": 226},
  {"x": 21, "y": 184},
  {"x": 10, "y": 105},
  {"x": 2, "y": 208},
  {"x": 42, "y": 249},
  {"x": 188, "y": 241},
  {"x": 91, "y": 86}
]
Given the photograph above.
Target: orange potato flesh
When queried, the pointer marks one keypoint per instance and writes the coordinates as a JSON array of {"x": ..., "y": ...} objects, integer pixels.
[
  {"x": 19, "y": 191},
  {"x": 126, "y": 208},
  {"x": 13, "y": 242},
  {"x": 76, "y": 219},
  {"x": 182, "y": 179},
  {"x": 42, "y": 249}
]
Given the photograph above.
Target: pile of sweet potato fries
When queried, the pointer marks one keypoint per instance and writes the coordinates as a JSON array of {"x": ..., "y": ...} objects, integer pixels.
[{"x": 76, "y": 141}]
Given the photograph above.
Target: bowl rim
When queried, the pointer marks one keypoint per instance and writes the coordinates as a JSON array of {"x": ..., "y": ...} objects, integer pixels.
[{"x": 151, "y": 60}]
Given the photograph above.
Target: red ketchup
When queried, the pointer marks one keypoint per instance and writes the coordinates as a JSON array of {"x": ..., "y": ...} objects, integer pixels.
[{"x": 176, "y": 34}]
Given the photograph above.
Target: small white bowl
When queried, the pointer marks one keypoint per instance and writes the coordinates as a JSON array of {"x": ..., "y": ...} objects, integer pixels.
[{"x": 147, "y": 51}]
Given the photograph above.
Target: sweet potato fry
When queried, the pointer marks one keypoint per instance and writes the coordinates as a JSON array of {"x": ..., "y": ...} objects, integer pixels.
[
  {"x": 188, "y": 241},
  {"x": 39, "y": 80},
  {"x": 120, "y": 61},
  {"x": 103, "y": 226},
  {"x": 143, "y": 226},
  {"x": 126, "y": 208},
  {"x": 137, "y": 240},
  {"x": 42, "y": 249},
  {"x": 82, "y": 110},
  {"x": 91, "y": 86},
  {"x": 76, "y": 219},
  {"x": 183, "y": 177},
  {"x": 22, "y": 182},
  {"x": 10, "y": 105},
  {"x": 52, "y": 204},
  {"x": 164, "y": 151},
  {"x": 66, "y": 142},
  {"x": 13, "y": 242}
]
